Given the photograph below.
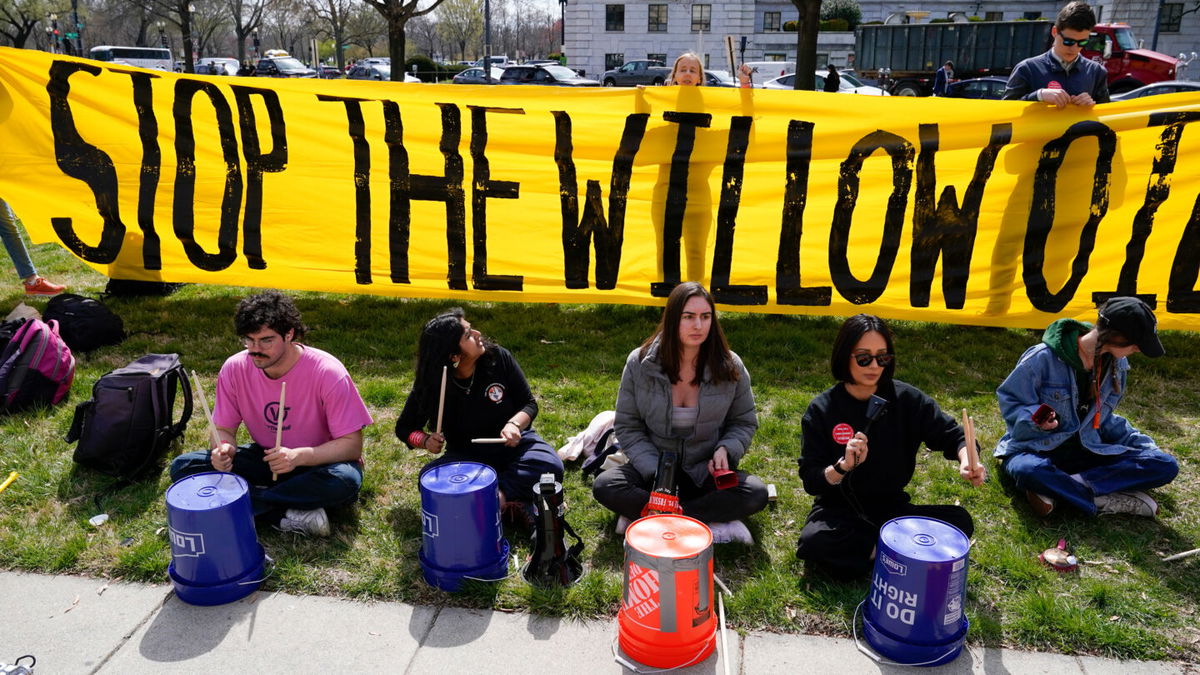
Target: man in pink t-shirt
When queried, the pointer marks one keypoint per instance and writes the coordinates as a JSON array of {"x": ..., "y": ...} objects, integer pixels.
[{"x": 318, "y": 462}]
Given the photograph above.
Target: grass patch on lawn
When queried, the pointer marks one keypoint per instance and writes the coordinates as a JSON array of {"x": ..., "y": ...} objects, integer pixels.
[{"x": 1124, "y": 602}]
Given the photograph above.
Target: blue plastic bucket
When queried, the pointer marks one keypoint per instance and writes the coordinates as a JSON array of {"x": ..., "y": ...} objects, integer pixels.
[
  {"x": 460, "y": 522},
  {"x": 914, "y": 611},
  {"x": 215, "y": 554}
]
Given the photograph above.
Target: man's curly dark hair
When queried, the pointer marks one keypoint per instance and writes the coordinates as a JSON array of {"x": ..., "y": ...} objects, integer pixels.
[{"x": 271, "y": 309}]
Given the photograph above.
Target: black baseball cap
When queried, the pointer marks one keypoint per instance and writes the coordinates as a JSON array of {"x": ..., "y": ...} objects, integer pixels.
[{"x": 1135, "y": 320}]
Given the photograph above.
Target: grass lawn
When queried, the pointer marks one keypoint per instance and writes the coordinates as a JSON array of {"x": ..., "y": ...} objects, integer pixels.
[{"x": 1124, "y": 601}]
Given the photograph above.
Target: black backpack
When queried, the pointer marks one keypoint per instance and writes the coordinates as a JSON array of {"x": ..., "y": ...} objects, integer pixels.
[
  {"x": 127, "y": 425},
  {"x": 85, "y": 324}
]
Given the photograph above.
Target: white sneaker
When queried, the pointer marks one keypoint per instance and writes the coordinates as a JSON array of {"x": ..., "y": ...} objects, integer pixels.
[
  {"x": 313, "y": 522},
  {"x": 1133, "y": 502},
  {"x": 622, "y": 524},
  {"x": 732, "y": 532}
]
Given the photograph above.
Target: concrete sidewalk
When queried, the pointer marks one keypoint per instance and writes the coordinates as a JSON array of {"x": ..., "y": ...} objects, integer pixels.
[{"x": 76, "y": 625}]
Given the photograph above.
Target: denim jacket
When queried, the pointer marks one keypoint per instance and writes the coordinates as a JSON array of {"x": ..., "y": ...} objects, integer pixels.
[
  {"x": 1041, "y": 377},
  {"x": 725, "y": 417}
]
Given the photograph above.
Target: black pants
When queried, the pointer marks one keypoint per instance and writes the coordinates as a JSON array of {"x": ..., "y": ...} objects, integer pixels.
[
  {"x": 839, "y": 542},
  {"x": 622, "y": 489}
]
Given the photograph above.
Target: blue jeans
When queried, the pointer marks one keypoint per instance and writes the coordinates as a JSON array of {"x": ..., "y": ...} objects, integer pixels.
[
  {"x": 306, "y": 487},
  {"x": 1049, "y": 473},
  {"x": 14, "y": 244}
]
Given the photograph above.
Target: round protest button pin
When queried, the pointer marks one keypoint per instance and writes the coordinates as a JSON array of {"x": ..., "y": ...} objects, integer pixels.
[{"x": 842, "y": 433}]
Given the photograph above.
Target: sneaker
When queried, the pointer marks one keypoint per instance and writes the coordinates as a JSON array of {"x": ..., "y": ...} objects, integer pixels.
[
  {"x": 622, "y": 525},
  {"x": 733, "y": 532},
  {"x": 40, "y": 286},
  {"x": 1041, "y": 504},
  {"x": 313, "y": 522},
  {"x": 1132, "y": 502},
  {"x": 518, "y": 514}
]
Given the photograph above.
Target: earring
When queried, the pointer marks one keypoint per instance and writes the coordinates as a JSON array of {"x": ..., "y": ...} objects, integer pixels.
[{"x": 454, "y": 364}]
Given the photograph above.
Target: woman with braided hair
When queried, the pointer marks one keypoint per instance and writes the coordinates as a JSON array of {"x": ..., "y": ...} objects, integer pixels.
[
  {"x": 1064, "y": 442},
  {"x": 487, "y": 397}
]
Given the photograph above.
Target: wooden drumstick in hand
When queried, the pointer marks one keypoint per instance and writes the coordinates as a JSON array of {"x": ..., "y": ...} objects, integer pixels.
[
  {"x": 969, "y": 432},
  {"x": 212, "y": 428},
  {"x": 279, "y": 422},
  {"x": 441, "y": 401}
]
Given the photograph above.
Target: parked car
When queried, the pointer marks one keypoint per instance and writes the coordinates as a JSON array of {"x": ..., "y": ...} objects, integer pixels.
[
  {"x": 762, "y": 71},
  {"x": 844, "y": 87},
  {"x": 475, "y": 76},
  {"x": 330, "y": 73},
  {"x": 497, "y": 61},
  {"x": 643, "y": 71},
  {"x": 282, "y": 66},
  {"x": 990, "y": 87},
  {"x": 217, "y": 66},
  {"x": 554, "y": 76},
  {"x": 719, "y": 78},
  {"x": 1159, "y": 88},
  {"x": 375, "y": 71}
]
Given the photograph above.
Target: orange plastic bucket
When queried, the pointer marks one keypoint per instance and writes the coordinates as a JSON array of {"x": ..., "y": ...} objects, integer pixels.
[{"x": 666, "y": 618}]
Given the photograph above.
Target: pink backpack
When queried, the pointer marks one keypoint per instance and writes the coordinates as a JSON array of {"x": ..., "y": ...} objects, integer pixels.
[{"x": 36, "y": 367}]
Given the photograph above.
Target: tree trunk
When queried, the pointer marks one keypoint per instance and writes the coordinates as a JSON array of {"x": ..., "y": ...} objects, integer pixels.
[
  {"x": 807, "y": 27},
  {"x": 396, "y": 48}
]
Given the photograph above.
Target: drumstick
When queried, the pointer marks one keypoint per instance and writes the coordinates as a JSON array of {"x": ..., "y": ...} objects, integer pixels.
[
  {"x": 441, "y": 402},
  {"x": 488, "y": 440},
  {"x": 279, "y": 422},
  {"x": 969, "y": 431},
  {"x": 1181, "y": 556},
  {"x": 212, "y": 428},
  {"x": 724, "y": 639}
]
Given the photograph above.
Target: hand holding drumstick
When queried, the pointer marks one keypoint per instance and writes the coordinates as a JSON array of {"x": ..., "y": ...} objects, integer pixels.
[
  {"x": 969, "y": 466},
  {"x": 222, "y": 452}
]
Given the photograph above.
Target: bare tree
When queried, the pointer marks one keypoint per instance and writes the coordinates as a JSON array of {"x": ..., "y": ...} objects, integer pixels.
[
  {"x": 397, "y": 14},
  {"x": 19, "y": 19},
  {"x": 285, "y": 22},
  {"x": 181, "y": 13},
  {"x": 333, "y": 17},
  {"x": 365, "y": 28},
  {"x": 807, "y": 27},
  {"x": 247, "y": 15},
  {"x": 460, "y": 22}
]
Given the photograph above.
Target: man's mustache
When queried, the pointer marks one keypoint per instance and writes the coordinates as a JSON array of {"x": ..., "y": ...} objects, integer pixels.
[{"x": 259, "y": 354}]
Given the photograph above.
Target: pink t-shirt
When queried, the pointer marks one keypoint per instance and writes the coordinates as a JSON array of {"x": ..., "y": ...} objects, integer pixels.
[{"x": 322, "y": 401}]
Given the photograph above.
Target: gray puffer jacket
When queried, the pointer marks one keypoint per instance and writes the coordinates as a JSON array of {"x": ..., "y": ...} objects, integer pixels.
[{"x": 725, "y": 417}]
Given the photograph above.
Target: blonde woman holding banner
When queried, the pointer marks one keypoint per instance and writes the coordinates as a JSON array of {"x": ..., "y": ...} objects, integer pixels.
[
  {"x": 304, "y": 458},
  {"x": 477, "y": 392}
]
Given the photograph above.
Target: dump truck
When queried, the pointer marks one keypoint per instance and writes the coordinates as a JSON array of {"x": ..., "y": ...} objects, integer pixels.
[{"x": 904, "y": 57}]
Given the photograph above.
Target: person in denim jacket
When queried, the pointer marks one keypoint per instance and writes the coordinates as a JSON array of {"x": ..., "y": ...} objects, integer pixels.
[
  {"x": 1080, "y": 451},
  {"x": 684, "y": 388}
]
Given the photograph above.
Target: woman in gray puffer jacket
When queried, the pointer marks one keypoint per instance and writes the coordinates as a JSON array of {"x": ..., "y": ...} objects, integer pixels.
[{"x": 685, "y": 390}]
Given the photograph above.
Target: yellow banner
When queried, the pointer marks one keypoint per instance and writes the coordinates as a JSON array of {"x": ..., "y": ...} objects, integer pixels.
[{"x": 975, "y": 212}]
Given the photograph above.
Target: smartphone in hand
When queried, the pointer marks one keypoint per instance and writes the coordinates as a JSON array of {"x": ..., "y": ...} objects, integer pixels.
[{"x": 1043, "y": 414}]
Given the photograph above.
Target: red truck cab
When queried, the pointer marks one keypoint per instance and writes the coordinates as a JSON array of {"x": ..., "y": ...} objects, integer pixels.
[{"x": 1113, "y": 46}]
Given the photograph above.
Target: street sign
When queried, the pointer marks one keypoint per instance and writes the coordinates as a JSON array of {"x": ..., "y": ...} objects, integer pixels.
[{"x": 72, "y": 36}]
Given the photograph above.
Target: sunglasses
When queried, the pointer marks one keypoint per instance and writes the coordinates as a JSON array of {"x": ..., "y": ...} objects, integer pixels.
[
  {"x": 864, "y": 360},
  {"x": 1068, "y": 42}
]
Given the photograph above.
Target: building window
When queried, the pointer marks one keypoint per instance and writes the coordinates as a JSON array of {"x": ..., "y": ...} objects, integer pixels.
[
  {"x": 661, "y": 58},
  {"x": 1031, "y": 16},
  {"x": 1170, "y": 17},
  {"x": 701, "y": 18},
  {"x": 772, "y": 21},
  {"x": 614, "y": 18},
  {"x": 613, "y": 61},
  {"x": 774, "y": 57},
  {"x": 658, "y": 19},
  {"x": 993, "y": 16}
]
